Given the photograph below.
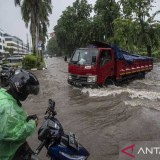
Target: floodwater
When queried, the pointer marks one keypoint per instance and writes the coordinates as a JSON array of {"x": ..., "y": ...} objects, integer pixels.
[{"x": 101, "y": 118}]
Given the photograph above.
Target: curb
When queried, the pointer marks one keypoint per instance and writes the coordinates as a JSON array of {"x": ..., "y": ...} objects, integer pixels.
[{"x": 34, "y": 69}]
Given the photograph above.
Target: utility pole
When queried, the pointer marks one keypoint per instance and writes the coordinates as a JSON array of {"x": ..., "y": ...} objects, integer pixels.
[{"x": 27, "y": 43}]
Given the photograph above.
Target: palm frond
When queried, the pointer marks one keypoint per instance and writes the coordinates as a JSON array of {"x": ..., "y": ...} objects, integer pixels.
[
  {"x": 17, "y": 2},
  {"x": 150, "y": 19}
]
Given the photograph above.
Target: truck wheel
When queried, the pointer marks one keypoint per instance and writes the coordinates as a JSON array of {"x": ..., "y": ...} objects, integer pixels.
[
  {"x": 118, "y": 83},
  {"x": 109, "y": 82},
  {"x": 141, "y": 75}
]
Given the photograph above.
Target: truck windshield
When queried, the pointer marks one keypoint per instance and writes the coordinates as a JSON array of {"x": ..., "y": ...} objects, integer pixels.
[{"x": 84, "y": 56}]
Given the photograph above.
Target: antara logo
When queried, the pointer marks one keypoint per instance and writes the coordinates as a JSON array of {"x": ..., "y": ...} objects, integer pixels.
[
  {"x": 129, "y": 150},
  {"x": 141, "y": 150}
]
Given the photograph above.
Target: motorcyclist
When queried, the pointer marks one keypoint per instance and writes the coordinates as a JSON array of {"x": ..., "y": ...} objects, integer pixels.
[{"x": 15, "y": 124}]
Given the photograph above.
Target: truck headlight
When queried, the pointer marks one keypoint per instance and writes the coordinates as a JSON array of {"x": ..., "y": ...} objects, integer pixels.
[
  {"x": 92, "y": 79},
  {"x": 69, "y": 77}
]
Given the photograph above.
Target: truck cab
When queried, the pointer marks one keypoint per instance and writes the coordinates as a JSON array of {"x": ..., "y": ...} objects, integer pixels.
[{"x": 90, "y": 66}]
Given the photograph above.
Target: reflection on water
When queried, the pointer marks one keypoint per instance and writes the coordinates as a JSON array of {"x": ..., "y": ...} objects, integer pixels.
[{"x": 101, "y": 117}]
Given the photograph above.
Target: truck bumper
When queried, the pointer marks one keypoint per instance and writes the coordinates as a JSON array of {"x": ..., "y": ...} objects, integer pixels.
[{"x": 79, "y": 83}]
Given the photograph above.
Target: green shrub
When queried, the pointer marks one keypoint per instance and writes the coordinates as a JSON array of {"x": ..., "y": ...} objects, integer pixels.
[
  {"x": 143, "y": 53},
  {"x": 30, "y": 61},
  {"x": 156, "y": 54}
]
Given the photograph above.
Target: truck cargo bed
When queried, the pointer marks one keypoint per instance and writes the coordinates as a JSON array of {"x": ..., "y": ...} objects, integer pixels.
[{"x": 125, "y": 67}]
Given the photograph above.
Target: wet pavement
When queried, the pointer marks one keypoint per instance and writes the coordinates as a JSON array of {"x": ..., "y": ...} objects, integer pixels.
[{"x": 101, "y": 118}]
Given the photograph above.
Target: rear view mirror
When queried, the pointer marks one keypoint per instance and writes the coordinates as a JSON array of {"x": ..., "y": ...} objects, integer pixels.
[
  {"x": 50, "y": 110},
  {"x": 51, "y": 104},
  {"x": 93, "y": 59},
  {"x": 65, "y": 58}
]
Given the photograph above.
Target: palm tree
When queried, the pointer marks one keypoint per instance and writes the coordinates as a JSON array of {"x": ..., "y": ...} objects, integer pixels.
[
  {"x": 149, "y": 33},
  {"x": 36, "y": 14}
]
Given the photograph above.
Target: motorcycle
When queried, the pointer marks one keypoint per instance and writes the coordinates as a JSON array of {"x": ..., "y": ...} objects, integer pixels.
[
  {"x": 59, "y": 145},
  {"x": 5, "y": 74}
]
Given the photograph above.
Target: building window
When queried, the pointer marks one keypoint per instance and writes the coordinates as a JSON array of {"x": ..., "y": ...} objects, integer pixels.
[
  {"x": 1, "y": 34},
  {"x": 8, "y": 39},
  {"x": 0, "y": 46},
  {"x": 10, "y": 44}
]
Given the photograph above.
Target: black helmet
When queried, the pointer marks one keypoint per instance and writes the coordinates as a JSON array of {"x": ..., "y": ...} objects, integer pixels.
[{"x": 23, "y": 83}]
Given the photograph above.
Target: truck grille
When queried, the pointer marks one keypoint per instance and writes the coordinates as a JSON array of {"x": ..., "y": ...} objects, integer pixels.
[{"x": 79, "y": 78}]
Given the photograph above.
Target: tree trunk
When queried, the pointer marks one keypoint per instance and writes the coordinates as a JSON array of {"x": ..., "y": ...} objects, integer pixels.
[
  {"x": 33, "y": 33},
  {"x": 33, "y": 40},
  {"x": 37, "y": 37},
  {"x": 149, "y": 51}
]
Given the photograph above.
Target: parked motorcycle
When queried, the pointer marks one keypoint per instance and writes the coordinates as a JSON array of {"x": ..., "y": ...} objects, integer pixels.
[
  {"x": 5, "y": 74},
  {"x": 59, "y": 145}
]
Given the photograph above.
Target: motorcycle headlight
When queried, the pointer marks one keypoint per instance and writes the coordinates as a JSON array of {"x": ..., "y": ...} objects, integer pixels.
[
  {"x": 69, "y": 77},
  {"x": 73, "y": 156},
  {"x": 92, "y": 79}
]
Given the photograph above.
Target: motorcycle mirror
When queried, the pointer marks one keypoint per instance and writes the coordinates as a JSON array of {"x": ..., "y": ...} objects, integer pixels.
[{"x": 51, "y": 104}]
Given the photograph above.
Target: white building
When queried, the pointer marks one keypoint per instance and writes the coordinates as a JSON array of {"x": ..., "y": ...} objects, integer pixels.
[
  {"x": 16, "y": 43},
  {"x": 2, "y": 42},
  {"x": 9, "y": 41}
]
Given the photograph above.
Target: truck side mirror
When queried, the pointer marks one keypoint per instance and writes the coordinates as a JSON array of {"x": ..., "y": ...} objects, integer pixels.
[
  {"x": 93, "y": 59},
  {"x": 65, "y": 58}
]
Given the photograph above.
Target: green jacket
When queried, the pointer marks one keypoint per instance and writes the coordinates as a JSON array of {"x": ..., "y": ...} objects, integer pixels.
[{"x": 13, "y": 126}]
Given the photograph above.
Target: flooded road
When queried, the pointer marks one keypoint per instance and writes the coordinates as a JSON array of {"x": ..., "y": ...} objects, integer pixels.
[{"x": 101, "y": 118}]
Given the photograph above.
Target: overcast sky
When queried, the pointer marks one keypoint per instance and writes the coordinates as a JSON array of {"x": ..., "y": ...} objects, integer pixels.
[{"x": 12, "y": 23}]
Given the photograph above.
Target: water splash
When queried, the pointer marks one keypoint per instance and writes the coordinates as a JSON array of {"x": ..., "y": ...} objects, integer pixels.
[
  {"x": 148, "y": 82},
  {"x": 132, "y": 93}
]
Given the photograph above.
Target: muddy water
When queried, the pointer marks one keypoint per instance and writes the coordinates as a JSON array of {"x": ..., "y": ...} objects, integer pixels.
[{"x": 102, "y": 118}]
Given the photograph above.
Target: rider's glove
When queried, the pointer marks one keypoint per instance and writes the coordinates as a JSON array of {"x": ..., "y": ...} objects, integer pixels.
[{"x": 33, "y": 117}]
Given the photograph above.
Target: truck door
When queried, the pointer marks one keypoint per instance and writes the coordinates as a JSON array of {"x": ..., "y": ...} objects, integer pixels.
[{"x": 105, "y": 65}]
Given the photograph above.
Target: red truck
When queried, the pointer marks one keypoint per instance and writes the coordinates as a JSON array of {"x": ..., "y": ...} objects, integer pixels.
[{"x": 101, "y": 64}]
